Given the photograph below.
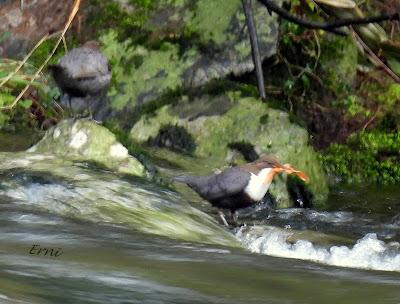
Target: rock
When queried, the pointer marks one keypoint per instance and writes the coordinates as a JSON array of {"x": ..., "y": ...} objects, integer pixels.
[
  {"x": 59, "y": 185},
  {"x": 84, "y": 140},
  {"x": 244, "y": 120},
  {"x": 189, "y": 43},
  {"x": 20, "y": 29}
]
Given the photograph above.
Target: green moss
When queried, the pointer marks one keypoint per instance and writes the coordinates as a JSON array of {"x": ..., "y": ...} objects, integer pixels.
[
  {"x": 368, "y": 157},
  {"x": 353, "y": 105},
  {"x": 84, "y": 140},
  {"x": 339, "y": 57},
  {"x": 391, "y": 95},
  {"x": 128, "y": 23},
  {"x": 157, "y": 71},
  {"x": 212, "y": 19},
  {"x": 240, "y": 122}
]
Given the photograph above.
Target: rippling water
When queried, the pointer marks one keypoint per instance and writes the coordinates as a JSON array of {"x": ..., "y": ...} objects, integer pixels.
[{"x": 127, "y": 241}]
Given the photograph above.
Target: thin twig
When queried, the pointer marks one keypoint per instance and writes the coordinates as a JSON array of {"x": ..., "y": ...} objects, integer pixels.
[
  {"x": 65, "y": 44},
  {"x": 21, "y": 64},
  {"x": 374, "y": 58},
  {"x": 318, "y": 49},
  {"x": 71, "y": 17},
  {"x": 371, "y": 119}
]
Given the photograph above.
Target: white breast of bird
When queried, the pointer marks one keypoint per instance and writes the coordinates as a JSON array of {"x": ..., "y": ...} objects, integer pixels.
[{"x": 259, "y": 184}]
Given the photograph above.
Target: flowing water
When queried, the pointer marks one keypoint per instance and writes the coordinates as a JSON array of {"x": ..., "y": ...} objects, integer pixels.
[{"x": 122, "y": 240}]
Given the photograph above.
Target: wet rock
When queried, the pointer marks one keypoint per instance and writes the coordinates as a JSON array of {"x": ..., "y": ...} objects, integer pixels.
[
  {"x": 244, "y": 121},
  {"x": 61, "y": 185},
  {"x": 85, "y": 140}
]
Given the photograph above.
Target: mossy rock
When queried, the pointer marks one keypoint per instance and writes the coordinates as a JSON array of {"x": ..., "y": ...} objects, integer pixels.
[
  {"x": 240, "y": 122},
  {"x": 85, "y": 140},
  {"x": 187, "y": 44}
]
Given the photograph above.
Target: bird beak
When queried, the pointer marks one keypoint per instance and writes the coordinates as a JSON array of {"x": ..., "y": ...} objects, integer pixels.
[{"x": 290, "y": 170}]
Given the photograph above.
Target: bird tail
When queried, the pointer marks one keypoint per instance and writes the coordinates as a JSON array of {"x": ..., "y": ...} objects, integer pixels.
[
  {"x": 55, "y": 69},
  {"x": 52, "y": 67},
  {"x": 182, "y": 179}
]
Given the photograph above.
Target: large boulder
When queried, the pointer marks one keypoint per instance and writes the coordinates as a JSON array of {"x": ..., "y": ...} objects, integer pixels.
[
  {"x": 214, "y": 123},
  {"x": 87, "y": 141},
  {"x": 188, "y": 44},
  {"x": 56, "y": 180}
]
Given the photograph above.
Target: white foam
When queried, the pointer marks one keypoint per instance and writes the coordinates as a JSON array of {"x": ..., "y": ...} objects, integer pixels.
[{"x": 368, "y": 253}]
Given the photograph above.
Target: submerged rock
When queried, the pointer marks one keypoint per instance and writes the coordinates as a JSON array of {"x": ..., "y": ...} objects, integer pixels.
[
  {"x": 54, "y": 185},
  {"x": 216, "y": 122},
  {"x": 85, "y": 140}
]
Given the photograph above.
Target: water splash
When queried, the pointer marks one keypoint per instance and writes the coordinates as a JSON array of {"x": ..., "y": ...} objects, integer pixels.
[{"x": 368, "y": 252}]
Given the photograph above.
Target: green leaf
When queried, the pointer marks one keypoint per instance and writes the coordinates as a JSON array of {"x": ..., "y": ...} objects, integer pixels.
[
  {"x": 394, "y": 65},
  {"x": 338, "y": 3},
  {"x": 5, "y": 36},
  {"x": 6, "y": 99},
  {"x": 311, "y": 4},
  {"x": 3, "y": 118},
  {"x": 306, "y": 80},
  {"x": 26, "y": 103}
]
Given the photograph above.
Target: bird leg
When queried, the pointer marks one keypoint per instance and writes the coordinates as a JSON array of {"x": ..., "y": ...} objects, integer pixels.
[
  {"x": 234, "y": 216},
  {"x": 222, "y": 216},
  {"x": 70, "y": 105},
  {"x": 90, "y": 117}
]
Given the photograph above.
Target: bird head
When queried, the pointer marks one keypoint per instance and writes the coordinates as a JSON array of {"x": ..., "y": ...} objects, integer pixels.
[
  {"x": 92, "y": 44},
  {"x": 270, "y": 161}
]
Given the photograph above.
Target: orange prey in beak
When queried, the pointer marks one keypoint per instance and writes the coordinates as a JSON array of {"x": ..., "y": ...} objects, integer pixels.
[{"x": 290, "y": 170}]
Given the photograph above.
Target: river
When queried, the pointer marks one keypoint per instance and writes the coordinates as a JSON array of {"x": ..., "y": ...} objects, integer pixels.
[{"x": 124, "y": 240}]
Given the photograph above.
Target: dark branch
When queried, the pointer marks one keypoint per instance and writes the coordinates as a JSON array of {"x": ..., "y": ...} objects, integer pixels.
[
  {"x": 255, "y": 51},
  {"x": 327, "y": 26}
]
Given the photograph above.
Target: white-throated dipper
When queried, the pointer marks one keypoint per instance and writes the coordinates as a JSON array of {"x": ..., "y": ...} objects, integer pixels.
[
  {"x": 82, "y": 72},
  {"x": 240, "y": 186}
]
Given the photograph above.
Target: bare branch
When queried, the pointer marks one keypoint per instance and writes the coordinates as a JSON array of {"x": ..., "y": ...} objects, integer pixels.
[
  {"x": 251, "y": 27},
  {"x": 326, "y": 26}
]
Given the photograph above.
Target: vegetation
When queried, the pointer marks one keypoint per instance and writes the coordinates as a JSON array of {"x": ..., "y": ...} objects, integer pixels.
[
  {"x": 35, "y": 105},
  {"x": 350, "y": 108},
  {"x": 368, "y": 157}
]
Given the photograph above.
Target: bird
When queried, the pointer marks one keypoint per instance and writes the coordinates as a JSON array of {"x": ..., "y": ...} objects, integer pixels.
[
  {"x": 239, "y": 186},
  {"x": 82, "y": 72}
]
